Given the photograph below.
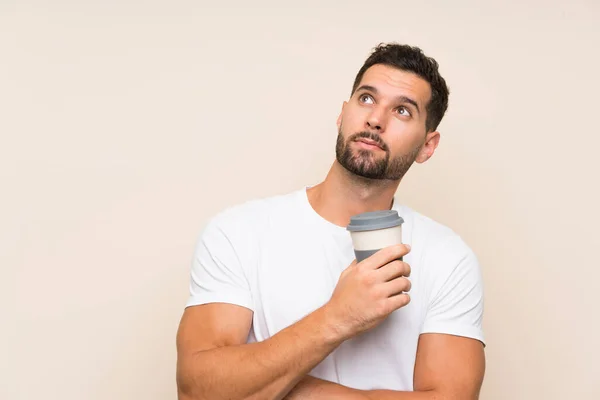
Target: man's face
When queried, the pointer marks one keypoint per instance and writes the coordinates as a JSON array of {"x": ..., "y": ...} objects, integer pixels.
[{"x": 381, "y": 129}]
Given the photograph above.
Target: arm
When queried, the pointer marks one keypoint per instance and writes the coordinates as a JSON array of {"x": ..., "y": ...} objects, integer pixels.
[
  {"x": 450, "y": 361},
  {"x": 213, "y": 360},
  {"x": 447, "y": 367},
  {"x": 215, "y": 363}
]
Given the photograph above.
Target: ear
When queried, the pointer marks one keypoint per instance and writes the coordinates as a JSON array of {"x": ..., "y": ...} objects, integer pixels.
[
  {"x": 431, "y": 143},
  {"x": 339, "y": 120}
]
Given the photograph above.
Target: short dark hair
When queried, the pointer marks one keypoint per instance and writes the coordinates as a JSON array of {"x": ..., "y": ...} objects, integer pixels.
[{"x": 412, "y": 59}]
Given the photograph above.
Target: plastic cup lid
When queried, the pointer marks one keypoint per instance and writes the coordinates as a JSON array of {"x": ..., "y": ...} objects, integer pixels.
[{"x": 373, "y": 220}]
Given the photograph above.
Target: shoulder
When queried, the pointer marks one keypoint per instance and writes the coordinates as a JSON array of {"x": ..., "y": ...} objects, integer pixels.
[
  {"x": 444, "y": 260},
  {"x": 253, "y": 215},
  {"x": 240, "y": 229}
]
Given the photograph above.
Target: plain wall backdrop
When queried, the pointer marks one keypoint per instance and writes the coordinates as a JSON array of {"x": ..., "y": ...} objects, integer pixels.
[{"x": 126, "y": 125}]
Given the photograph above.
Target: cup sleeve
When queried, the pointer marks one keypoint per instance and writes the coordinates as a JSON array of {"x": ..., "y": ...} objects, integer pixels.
[
  {"x": 456, "y": 304},
  {"x": 217, "y": 274}
]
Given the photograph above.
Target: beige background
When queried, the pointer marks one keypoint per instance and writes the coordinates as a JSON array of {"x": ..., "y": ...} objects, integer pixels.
[{"x": 124, "y": 126}]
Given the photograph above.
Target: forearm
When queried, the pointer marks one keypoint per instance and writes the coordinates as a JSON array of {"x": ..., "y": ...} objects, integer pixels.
[
  {"x": 265, "y": 370},
  {"x": 311, "y": 388},
  {"x": 396, "y": 395}
]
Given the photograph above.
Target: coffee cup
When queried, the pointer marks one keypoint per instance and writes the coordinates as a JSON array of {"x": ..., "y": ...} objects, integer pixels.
[{"x": 374, "y": 230}]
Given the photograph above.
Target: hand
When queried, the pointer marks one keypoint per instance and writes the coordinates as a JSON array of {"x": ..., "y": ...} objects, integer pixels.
[{"x": 369, "y": 291}]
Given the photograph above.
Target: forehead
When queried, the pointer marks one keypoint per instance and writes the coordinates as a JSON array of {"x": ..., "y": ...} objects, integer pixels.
[{"x": 392, "y": 82}]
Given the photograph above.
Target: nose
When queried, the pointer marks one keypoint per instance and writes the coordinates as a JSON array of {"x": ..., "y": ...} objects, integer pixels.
[{"x": 376, "y": 121}]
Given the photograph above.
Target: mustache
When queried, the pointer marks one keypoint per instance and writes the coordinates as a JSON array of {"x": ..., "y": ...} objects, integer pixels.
[{"x": 371, "y": 136}]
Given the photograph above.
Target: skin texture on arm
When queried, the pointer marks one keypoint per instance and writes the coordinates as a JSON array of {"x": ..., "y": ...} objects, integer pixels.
[
  {"x": 214, "y": 362},
  {"x": 447, "y": 368}
]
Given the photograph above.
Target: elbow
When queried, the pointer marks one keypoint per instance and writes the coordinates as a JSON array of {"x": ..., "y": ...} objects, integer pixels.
[
  {"x": 189, "y": 386},
  {"x": 185, "y": 388}
]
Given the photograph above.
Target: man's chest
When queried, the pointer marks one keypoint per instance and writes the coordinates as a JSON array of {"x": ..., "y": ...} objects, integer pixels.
[
  {"x": 292, "y": 279},
  {"x": 290, "y": 284}
]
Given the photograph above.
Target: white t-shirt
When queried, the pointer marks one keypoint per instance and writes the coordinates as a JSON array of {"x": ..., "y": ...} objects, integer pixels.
[{"x": 282, "y": 260}]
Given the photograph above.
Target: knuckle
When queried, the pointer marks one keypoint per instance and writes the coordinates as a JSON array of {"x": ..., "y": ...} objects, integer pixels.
[
  {"x": 396, "y": 251},
  {"x": 366, "y": 279},
  {"x": 377, "y": 293},
  {"x": 407, "y": 285},
  {"x": 368, "y": 262},
  {"x": 406, "y": 268},
  {"x": 382, "y": 308},
  {"x": 404, "y": 299},
  {"x": 390, "y": 251},
  {"x": 362, "y": 267},
  {"x": 399, "y": 250},
  {"x": 398, "y": 268}
]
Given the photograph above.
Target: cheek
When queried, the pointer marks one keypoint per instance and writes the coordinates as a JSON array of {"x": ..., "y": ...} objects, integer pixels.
[
  {"x": 353, "y": 119},
  {"x": 405, "y": 138}
]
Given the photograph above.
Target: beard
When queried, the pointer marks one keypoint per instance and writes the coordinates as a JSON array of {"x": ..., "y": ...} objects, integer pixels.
[{"x": 366, "y": 164}]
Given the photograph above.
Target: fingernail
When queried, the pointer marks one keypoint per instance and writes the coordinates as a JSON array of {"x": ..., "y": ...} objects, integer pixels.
[{"x": 408, "y": 246}]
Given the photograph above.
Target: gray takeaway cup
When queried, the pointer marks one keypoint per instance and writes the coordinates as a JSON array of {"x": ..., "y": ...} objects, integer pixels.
[{"x": 372, "y": 231}]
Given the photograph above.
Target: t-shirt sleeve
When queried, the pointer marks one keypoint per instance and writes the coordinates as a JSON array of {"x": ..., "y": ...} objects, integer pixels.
[
  {"x": 456, "y": 306},
  {"x": 217, "y": 274}
]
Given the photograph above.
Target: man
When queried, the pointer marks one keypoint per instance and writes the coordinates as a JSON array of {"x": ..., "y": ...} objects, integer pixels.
[{"x": 280, "y": 309}]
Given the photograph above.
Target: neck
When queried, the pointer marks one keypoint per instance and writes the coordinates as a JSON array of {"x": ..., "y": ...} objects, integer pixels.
[{"x": 343, "y": 194}]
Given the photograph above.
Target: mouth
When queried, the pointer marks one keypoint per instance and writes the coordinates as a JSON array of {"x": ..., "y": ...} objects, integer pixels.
[{"x": 369, "y": 144}]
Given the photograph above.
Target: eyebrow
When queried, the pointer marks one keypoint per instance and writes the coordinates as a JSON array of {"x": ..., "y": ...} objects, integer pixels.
[{"x": 401, "y": 99}]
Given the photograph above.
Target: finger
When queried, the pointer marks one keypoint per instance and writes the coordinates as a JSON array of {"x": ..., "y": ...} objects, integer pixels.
[
  {"x": 397, "y": 286},
  {"x": 398, "y": 301},
  {"x": 386, "y": 255},
  {"x": 393, "y": 270}
]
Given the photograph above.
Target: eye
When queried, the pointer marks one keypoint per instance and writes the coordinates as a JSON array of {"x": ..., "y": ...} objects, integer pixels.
[
  {"x": 366, "y": 99},
  {"x": 403, "y": 111}
]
